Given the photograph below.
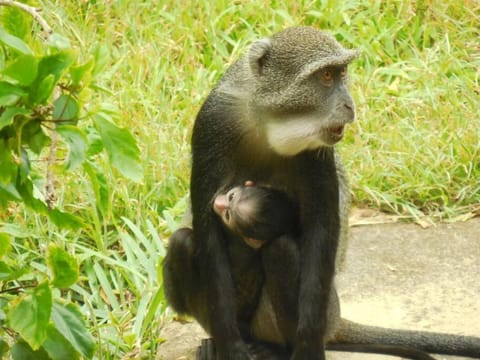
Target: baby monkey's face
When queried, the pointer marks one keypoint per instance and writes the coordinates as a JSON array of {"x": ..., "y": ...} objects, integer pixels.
[
  {"x": 257, "y": 214},
  {"x": 235, "y": 206}
]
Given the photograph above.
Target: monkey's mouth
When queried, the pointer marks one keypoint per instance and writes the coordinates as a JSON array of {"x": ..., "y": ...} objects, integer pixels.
[{"x": 336, "y": 132}]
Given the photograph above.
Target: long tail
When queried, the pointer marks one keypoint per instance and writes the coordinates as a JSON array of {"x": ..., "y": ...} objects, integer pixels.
[
  {"x": 394, "y": 350},
  {"x": 431, "y": 342},
  {"x": 263, "y": 351}
]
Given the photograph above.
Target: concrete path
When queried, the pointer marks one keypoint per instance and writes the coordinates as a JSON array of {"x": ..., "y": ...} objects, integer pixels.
[{"x": 396, "y": 275}]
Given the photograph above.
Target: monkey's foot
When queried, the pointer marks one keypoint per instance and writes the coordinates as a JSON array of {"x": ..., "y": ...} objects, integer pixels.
[
  {"x": 257, "y": 350},
  {"x": 206, "y": 351}
]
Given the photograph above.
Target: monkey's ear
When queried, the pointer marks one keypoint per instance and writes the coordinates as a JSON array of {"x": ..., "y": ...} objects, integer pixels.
[{"x": 257, "y": 55}]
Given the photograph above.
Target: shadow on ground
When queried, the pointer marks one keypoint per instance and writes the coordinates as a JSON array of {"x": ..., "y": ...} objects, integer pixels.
[{"x": 396, "y": 275}]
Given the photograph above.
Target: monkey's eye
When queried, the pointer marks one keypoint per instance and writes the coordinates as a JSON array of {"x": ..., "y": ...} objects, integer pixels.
[
  {"x": 231, "y": 196},
  {"x": 343, "y": 72},
  {"x": 327, "y": 75}
]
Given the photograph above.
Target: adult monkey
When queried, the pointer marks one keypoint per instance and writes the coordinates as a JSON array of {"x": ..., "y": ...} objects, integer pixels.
[{"x": 273, "y": 119}]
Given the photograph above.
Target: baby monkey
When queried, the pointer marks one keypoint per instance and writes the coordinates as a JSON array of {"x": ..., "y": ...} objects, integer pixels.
[{"x": 257, "y": 214}]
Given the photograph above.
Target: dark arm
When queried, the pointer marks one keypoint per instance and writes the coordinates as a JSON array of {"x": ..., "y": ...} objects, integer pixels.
[
  {"x": 320, "y": 233},
  {"x": 210, "y": 169}
]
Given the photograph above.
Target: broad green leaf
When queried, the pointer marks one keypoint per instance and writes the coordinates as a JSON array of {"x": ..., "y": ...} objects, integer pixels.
[
  {"x": 9, "y": 93},
  {"x": 5, "y": 271},
  {"x": 65, "y": 220},
  {"x": 58, "y": 41},
  {"x": 77, "y": 143},
  {"x": 34, "y": 136},
  {"x": 30, "y": 315},
  {"x": 16, "y": 22},
  {"x": 3, "y": 348},
  {"x": 9, "y": 114},
  {"x": 9, "y": 192},
  {"x": 14, "y": 42},
  {"x": 55, "y": 64},
  {"x": 82, "y": 72},
  {"x": 50, "y": 69},
  {"x": 94, "y": 141},
  {"x": 64, "y": 267},
  {"x": 121, "y": 147},
  {"x": 23, "y": 69},
  {"x": 24, "y": 166},
  {"x": 100, "y": 187},
  {"x": 69, "y": 322},
  {"x": 5, "y": 244},
  {"x": 65, "y": 109},
  {"x": 57, "y": 346},
  {"x": 8, "y": 168},
  {"x": 21, "y": 351},
  {"x": 44, "y": 90},
  {"x": 26, "y": 190}
]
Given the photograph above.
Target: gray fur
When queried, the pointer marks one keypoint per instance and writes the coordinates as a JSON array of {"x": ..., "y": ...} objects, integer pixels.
[{"x": 274, "y": 79}]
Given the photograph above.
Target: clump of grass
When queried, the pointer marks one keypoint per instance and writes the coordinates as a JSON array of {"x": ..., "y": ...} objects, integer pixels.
[{"x": 416, "y": 145}]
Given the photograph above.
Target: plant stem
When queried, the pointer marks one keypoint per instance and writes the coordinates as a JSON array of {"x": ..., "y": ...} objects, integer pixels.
[{"x": 34, "y": 12}]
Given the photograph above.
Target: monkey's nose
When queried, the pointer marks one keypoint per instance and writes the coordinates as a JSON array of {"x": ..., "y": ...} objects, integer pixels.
[{"x": 220, "y": 203}]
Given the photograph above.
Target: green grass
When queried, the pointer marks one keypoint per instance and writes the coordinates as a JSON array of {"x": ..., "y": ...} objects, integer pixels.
[
  {"x": 414, "y": 149},
  {"x": 415, "y": 146}
]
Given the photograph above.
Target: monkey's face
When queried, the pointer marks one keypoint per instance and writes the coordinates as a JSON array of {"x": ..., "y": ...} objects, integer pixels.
[
  {"x": 317, "y": 122},
  {"x": 222, "y": 205},
  {"x": 300, "y": 90},
  {"x": 233, "y": 208}
]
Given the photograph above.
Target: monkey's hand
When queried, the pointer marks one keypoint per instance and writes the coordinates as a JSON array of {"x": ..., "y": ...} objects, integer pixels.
[
  {"x": 208, "y": 351},
  {"x": 235, "y": 351}
]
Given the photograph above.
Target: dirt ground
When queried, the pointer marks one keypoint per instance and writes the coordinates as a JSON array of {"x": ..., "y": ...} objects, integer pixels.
[{"x": 396, "y": 275}]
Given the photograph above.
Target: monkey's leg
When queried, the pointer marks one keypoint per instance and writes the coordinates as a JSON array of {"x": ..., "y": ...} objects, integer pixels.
[
  {"x": 248, "y": 274},
  {"x": 207, "y": 350},
  {"x": 264, "y": 340},
  {"x": 180, "y": 278},
  {"x": 258, "y": 351},
  {"x": 248, "y": 278},
  {"x": 277, "y": 315},
  {"x": 177, "y": 269},
  {"x": 281, "y": 260}
]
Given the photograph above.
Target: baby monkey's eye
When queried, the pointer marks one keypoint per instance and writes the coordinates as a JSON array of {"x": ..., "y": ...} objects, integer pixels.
[{"x": 231, "y": 195}]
